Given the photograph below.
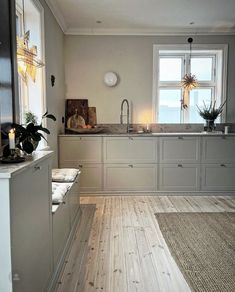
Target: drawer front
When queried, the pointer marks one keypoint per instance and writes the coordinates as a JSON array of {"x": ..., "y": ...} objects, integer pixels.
[
  {"x": 130, "y": 149},
  {"x": 180, "y": 149},
  {"x": 61, "y": 229},
  {"x": 218, "y": 149},
  {"x": 74, "y": 200},
  {"x": 132, "y": 177},
  {"x": 80, "y": 149},
  {"x": 218, "y": 177},
  {"x": 179, "y": 177}
]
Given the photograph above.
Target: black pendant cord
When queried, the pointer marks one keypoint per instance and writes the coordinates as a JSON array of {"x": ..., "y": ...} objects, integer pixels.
[{"x": 190, "y": 40}]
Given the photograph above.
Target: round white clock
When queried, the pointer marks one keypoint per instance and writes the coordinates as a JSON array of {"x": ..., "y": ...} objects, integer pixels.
[{"x": 110, "y": 79}]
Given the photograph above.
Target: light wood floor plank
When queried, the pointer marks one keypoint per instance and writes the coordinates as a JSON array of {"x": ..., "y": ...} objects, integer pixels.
[{"x": 118, "y": 246}]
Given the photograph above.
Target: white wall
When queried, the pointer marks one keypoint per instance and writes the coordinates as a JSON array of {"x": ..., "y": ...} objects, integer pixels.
[
  {"x": 54, "y": 59},
  {"x": 87, "y": 58}
]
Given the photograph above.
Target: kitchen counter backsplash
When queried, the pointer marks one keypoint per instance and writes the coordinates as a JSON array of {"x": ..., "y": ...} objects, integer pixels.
[{"x": 160, "y": 128}]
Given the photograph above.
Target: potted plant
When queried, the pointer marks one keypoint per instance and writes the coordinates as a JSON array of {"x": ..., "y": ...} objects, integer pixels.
[
  {"x": 210, "y": 113},
  {"x": 28, "y": 136}
]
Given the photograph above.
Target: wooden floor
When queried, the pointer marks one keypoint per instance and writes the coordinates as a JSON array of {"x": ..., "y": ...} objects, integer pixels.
[{"x": 118, "y": 246}]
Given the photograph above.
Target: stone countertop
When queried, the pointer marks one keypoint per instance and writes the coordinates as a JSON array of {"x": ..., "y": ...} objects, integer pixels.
[
  {"x": 162, "y": 134},
  {"x": 7, "y": 170}
]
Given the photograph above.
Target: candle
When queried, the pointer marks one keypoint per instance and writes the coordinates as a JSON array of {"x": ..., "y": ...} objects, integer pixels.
[
  {"x": 147, "y": 127},
  {"x": 11, "y": 137}
]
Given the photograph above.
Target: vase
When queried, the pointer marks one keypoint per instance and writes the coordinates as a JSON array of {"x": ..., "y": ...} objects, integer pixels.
[{"x": 209, "y": 125}]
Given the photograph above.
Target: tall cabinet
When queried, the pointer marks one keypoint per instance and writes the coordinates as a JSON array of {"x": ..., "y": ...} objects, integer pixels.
[{"x": 25, "y": 224}]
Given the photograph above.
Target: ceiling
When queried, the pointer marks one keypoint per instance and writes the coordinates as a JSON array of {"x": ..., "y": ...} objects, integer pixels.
[{"x": 150, "y": 17}]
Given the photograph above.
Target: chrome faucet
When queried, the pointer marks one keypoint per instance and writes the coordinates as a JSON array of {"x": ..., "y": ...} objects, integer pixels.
[{"x": 127, "y": 114}]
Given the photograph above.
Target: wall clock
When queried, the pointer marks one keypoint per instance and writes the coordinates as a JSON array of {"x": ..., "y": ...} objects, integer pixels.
[{"x": 110, "y": 79}]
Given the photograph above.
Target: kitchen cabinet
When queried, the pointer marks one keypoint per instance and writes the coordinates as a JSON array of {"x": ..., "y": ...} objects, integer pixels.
[
  {"x": 179, "y": 177},
  {"x": 218, "y": 149},
  {"x": 84, "y": 153},
  {"x": 130, "y": 150},
  {"x": 25, "y": 223},
  {"x": 180, "y": 149},
  {"x": 218, "y": 176},
  {"x": 130, "y": 177}
]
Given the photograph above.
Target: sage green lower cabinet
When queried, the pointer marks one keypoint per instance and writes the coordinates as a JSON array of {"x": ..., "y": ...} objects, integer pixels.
[
  {"x": 61, "y": 229},
  {"x": 179, "y": 177},
  {"x": 218, "y": 177},
  {"x": 26, "y": 227},
  {"x": 130, "y": 177}
]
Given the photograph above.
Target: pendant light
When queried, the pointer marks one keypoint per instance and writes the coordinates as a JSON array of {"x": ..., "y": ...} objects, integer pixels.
[
  {"x": 27, "y": 59},
  {"x": 189, "y": 81}
]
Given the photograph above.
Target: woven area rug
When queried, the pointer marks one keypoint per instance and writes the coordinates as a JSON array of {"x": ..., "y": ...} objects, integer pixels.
[{"x": 203, "y": 246}]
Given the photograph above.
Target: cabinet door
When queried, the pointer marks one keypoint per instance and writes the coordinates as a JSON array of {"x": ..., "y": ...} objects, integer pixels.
[
  {"x": 80, "y": 149},
  {"x": 130, "y": 149},
  {"x": 90, "y": 177},
  {"x": 61, "y": 229},
  {"x": 179, "y": 177},
  {"x": 130, "y": 177},
  {"x": 218, "y": 149},
  {"x": 217, "y": 177},
  {"x": 31, "y": 228},
  {"x": 74, "y": 200},
  {"x": 180, "y": 149}
]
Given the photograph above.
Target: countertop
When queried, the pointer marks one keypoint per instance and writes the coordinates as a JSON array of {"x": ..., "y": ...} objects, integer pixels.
[
  {"x": 7, "y": 170},
  {"x": 159, "y": 134}
]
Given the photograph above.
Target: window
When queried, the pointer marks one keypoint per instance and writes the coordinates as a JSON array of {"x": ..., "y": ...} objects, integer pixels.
[
  {"x": 31, "y": 94},
  {"x": 171, "y": 63}
]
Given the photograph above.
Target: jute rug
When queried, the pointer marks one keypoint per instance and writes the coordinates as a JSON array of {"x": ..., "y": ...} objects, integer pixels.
[{"x": 203, "y": 246}]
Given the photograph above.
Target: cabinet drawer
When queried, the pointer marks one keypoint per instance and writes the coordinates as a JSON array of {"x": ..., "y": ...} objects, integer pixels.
[
  {"x": 180, "y": 149},
  {"x": 80, "y": 149},
  {"x": 61, "y": 229},
  {"x": 74, "y": 200},
  {"x": 126, "y": 177},
  {"x": 91, "y": 175},
  {"x": 179, "y": 177},
  {"x": 218, "y": 149},
  {"x": 218, "y": 177},
  {"x": 130, "y": 149}
]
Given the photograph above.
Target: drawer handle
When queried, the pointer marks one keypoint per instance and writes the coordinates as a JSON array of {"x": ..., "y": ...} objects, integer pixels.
[
  {"x": 180, "y": 165},
  {"x": 130, "y": 165},
  {"x": 222, "y": 165},
  {"x": 180, "y": 138},
  {"x": 64, "y": 202},
  {"x": 80, "y": 166},
  {"x": 37, "y": 167}
]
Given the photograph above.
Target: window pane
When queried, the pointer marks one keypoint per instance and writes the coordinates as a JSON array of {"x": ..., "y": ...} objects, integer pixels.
[
  {"x": 169, "y": 106},
  {"x": 202, "y": 68},
  {"x": 170, "y": 69},
  {"x": 197, "y": 96}
]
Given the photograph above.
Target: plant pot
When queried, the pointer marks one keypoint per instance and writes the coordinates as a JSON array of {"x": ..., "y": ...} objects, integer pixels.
[{"x": 209, "y": 125}]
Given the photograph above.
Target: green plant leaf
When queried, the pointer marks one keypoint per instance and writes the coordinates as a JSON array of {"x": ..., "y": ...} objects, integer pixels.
[
  {"x": 27, "y": 146},
  {"x": 52, "y": 117}
]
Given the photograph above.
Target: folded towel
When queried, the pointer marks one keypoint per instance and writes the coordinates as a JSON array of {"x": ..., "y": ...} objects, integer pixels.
[
  {"x": 64, "y": 174},
  {"x": 58, "y": 192}
]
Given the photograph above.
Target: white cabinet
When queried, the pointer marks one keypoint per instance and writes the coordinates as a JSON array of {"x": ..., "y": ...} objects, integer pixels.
[
  {"x": 130, "y": 150},
  {"x": 25, "y": 224},
  {"x": 61, "y": 229},
  {"x": 218, "y": 149},
  {"x": 180, "y": 149},
  {"x": 130, "y": 177},
  {"x": 80, "y": 149},
  {"x": 179, "y": 177},
  {"x": 74, "y": 200},
  {"x": 218, "y": 177},
  {"x": 84, "y": 153},
  {"x": 218, "y": 163}
]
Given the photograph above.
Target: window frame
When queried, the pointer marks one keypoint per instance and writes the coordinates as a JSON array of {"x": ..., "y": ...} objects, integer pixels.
[{"x": 220, "y": 51}]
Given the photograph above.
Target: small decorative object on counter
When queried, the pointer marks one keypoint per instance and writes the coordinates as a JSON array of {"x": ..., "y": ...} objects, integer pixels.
[
  {"x": 226, "y": 130},
  {"x": 11, "y": 137},
  {"x": 27, "y": 137},
  {"x": 210, "y": 114}
]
